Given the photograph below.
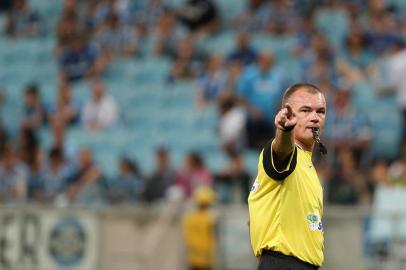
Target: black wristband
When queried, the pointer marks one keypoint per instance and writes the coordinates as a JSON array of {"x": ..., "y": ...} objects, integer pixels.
[{"x": 288, "y": 129}]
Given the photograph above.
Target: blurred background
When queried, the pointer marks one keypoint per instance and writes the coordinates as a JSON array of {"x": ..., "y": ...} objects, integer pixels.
[{"x": 130, "y": 129}]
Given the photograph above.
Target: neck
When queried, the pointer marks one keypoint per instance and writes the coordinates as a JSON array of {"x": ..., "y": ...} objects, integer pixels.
[{"x": 305, "y": 145}]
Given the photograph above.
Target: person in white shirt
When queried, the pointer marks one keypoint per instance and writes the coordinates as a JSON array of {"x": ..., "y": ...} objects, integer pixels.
[
  {"x": 232, "y": 123},
  {"x": 101, "y": 111}
]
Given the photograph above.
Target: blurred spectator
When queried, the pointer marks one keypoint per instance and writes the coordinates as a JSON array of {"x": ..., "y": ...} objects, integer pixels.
[
  {"x": 243, "y": 52},
  {"x": 123, "y": 8},
  {"x": 347, "y": 185},
  {"x": 284, "y": 18},
  {"x": 28, "y": 147},
  {"x": 318, "y": 61},
  {"x": 30, "y": 154},
  {"x": 199, "y": 15},
  {"x": 70, "y": 5},
  {"x": 162, "y": 178},
  {"x": 148, "y": 12},
  {"x": 167, "y": 34},
  {"x": 34, "y": 110},
  {"x": 232, "y": 124},
  {"x": 379, "y": 176},
  {"x": 304, "y": 34},
  {"x": 234, "y": 70},
  {"x": 2, "y": 102},
  {"x": 21, "y": 21},
  {"x": 116, "y": 39},
  {"x": 59, "y": 140},
  {"x": 397, "y": 169},
  {"x": 392, "y": 77},
  {"x": 199, "y": 232},
  {"x": 356, "y": 54},
  {"x": 55, "y": 174},
  {"x": 128, "y": 186},
  {"x": 188, "y": 61},
  {"x": 193, "y": 174},
  {"x": 66, "y": 29},
  {"x": 65, "y": 109},
  {"x": 96, "y": 14},
  {"x": 13, "y": 178},
  {"x": 79, "y": 60},
  {"x": 255, "y": 16},
  {"x": 348, "y": 126},
  {"x": 213, "y": 82},
  {"x": 381, "y": 32},
  {"x": 35, "y": 190},
  {"x": 218, "y": 81},
  {"x": 101, "y": 111},
  {"x": 233, "y": 182},
  {"x": 261, "y": 87},
  {"x": 3, "y": 139},
  {"x": 83, "y": 185}
]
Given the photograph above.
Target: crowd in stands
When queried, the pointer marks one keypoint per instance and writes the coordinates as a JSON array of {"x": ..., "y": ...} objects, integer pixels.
[{"x": 338, "y": 45}]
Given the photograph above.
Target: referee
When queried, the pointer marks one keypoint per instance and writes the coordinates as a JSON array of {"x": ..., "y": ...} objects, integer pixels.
[{"x": 286, "y": 199}]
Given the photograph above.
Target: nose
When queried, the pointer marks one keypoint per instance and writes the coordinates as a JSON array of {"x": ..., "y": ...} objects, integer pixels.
[{"x": 315, "y": 118}]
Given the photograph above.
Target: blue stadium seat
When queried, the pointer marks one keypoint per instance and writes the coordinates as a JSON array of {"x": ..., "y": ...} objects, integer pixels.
[
  {"x": 173, "y": 3},
  {"x": 229, "y": 9},
  {"x": 216, "y": 161},
  {"x": 334, "y": 24},
  {"x": 389, "y": 204},
  {"x": 251, "y": 162},
  {"x": 107, "y": 161},
  {"x": 222, "y": 43}
]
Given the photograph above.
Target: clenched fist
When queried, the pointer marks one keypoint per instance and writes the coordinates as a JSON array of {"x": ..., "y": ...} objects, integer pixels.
[{"x": 286, "y": 118}]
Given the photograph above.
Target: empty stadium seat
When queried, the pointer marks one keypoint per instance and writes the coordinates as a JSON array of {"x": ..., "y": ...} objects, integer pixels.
[{"x": 388, "y": 207}]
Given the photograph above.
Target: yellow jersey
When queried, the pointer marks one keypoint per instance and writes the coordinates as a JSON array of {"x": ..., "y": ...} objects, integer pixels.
[
  {"x": 199, "y": 234},
  {"x": 286, "y": 208}
]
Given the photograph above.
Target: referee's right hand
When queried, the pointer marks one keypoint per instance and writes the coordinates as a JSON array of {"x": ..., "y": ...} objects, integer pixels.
[{"x": 286, "y": 118}]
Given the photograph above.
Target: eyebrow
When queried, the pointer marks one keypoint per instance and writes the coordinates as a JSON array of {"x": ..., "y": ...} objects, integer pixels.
[{"x": 308, "y": 107}]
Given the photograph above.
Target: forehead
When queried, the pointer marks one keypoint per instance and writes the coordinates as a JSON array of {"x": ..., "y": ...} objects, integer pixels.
[{"x": 302, "y": 98}]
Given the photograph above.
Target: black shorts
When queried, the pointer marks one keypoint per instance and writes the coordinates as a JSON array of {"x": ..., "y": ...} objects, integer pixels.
[{"x": 271, "y": 260}]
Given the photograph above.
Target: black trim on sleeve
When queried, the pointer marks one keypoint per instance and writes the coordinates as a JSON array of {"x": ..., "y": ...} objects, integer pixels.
[{"x": 270, "y": 170}]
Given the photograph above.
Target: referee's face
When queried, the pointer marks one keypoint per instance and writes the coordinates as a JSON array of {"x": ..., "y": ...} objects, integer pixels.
[{"x": 310, "y": 109}]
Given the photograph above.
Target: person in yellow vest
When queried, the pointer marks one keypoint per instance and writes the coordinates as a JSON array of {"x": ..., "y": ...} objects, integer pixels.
[
  {"x": 286, "y": 199},
  {"x": 199, "y": 231}
]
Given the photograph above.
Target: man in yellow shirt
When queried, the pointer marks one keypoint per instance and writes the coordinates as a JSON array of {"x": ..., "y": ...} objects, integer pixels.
[
  {"x": 199, "y": 231},
  {"x": 286, "y": 199}
]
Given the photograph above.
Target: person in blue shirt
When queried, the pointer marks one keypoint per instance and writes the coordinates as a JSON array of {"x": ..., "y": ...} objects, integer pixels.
[
  {"x": 128, "y": 186},
  {"x": 260, "y": 88},
  {"x": 34, "y": 109},
  {"x": 350, "y": 127},
  {"x": 55, "y": 174},
  {"x": 13, "y": 178},
  {"x": 22, "y": 21},
  {"x": 79, "y": 60},
  {"x": 213, "y": 82},
  {"x": 243, "y": 52}
]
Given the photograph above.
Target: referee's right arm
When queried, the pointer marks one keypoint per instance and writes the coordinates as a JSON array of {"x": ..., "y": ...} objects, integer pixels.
[{"x": 284, "y": 142}]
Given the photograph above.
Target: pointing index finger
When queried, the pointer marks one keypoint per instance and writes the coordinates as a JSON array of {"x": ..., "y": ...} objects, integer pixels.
[{"x": 289, "y": 109}]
